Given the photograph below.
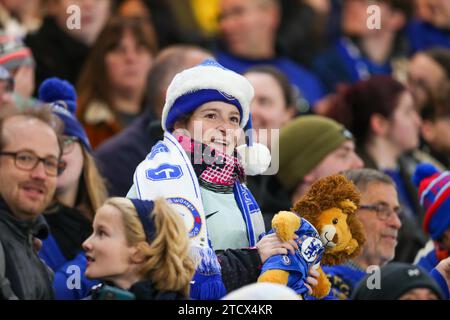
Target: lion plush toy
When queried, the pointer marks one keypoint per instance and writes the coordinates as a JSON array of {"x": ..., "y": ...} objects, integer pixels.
[{"x": 328, "y": 231}]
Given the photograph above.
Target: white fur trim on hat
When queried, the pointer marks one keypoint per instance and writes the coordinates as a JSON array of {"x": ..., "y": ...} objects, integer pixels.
[{"x": 209, "y": 75}]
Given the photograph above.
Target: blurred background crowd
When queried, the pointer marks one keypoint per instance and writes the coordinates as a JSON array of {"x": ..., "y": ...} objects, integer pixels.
[{"x": 380, "y": 94}]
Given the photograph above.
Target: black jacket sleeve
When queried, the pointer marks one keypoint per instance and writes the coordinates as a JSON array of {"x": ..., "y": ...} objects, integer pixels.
[{"x": 239, "y": 267}]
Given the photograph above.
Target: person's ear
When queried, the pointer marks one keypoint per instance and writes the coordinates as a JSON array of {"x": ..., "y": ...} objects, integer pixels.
[
  {"x": 179, "y": 124},
  {"x": 302, "y": 186},
  {"x": 427, "y": 130},
  {"x": 136, "y": 255},
  {"x": 180, "y": 128},
  {"x": 289, "y": 114},
  {"x": 379, "y": 125},
  {"x": 276, "y": 18},
  {"x": 309, "y": 178},
  {"x": 397, "y": 20}
]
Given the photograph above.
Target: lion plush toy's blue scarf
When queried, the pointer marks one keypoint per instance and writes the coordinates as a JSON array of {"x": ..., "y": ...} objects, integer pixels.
[{"x": 167, "y": 172}]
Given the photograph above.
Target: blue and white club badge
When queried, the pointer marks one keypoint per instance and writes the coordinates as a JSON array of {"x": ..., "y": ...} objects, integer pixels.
[
  {"x": 189, "y": 213},
  {"x": 286, "y": 260},
  {"x": 311, "y": 248}
]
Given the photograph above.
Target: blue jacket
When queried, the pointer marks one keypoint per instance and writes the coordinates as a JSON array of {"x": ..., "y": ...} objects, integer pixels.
[
  {"x": 69, "y": 281},
  {"x": 336, "y": 65},
  {"x": 304, "y": 80},
  {"x": 62, "y": 249},
  {"x": 344, "y": 279},
  {"x": 51, "y": 253},
  {"x": 423, "y": 36},
  {"x": 309, "y": 254}
]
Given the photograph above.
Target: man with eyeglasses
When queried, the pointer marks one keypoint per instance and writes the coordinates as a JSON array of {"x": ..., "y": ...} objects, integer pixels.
[
  {"x": 30, "y": 154},
  {"x": 380, "y": 215}
]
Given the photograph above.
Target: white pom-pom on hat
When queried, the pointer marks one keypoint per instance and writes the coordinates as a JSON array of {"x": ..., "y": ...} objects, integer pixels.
[{"x": 255, "y": 158}]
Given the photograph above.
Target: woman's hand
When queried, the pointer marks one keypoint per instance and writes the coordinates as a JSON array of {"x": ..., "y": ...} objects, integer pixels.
[
  {"x": 312, "y": 279},
  {"x": 443, "y": 268},
  {"x": 271, "y": 245}
]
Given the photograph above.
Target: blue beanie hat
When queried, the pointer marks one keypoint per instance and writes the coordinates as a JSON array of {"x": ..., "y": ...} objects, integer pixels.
[
  {"x": 62, "y": 97},
  {"x": 144, "y": 208}
]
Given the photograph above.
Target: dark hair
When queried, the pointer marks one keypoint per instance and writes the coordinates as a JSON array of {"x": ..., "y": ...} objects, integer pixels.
[
  {"x": 438, "y": 104},
  {"x": 405, "y": 6},
  {"x": 286, "y": 87},
  {"x": 42, "y": 113},
  {"x": 441, "y": 56},
  {"x": 92, "y": 83},
  {"x": 354, "y": 105}
]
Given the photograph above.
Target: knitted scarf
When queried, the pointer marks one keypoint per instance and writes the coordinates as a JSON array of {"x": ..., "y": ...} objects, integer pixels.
[{"x": 215, "y": 171}]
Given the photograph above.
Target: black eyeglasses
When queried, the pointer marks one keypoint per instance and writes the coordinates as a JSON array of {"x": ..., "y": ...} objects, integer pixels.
[
  {"x": 69, "y": 143},
  {"x": 26, "y": 160},
  {"x": 383, "y": 211}
]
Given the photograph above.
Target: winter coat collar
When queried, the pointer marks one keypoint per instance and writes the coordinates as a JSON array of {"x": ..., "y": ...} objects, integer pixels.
[
  {"x": 144, "y": 290},
  {"x": 23, "y": 229},
  {"x": 98, "y": 112}
]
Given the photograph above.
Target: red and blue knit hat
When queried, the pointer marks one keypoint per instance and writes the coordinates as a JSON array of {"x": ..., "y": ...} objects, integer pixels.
[{"x": 434, "y": 196}]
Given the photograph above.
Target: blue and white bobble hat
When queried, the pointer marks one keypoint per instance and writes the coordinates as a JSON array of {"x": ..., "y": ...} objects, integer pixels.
[
  {"x": 206, "y": 82},
  {"x": 63, "y": 100}
]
